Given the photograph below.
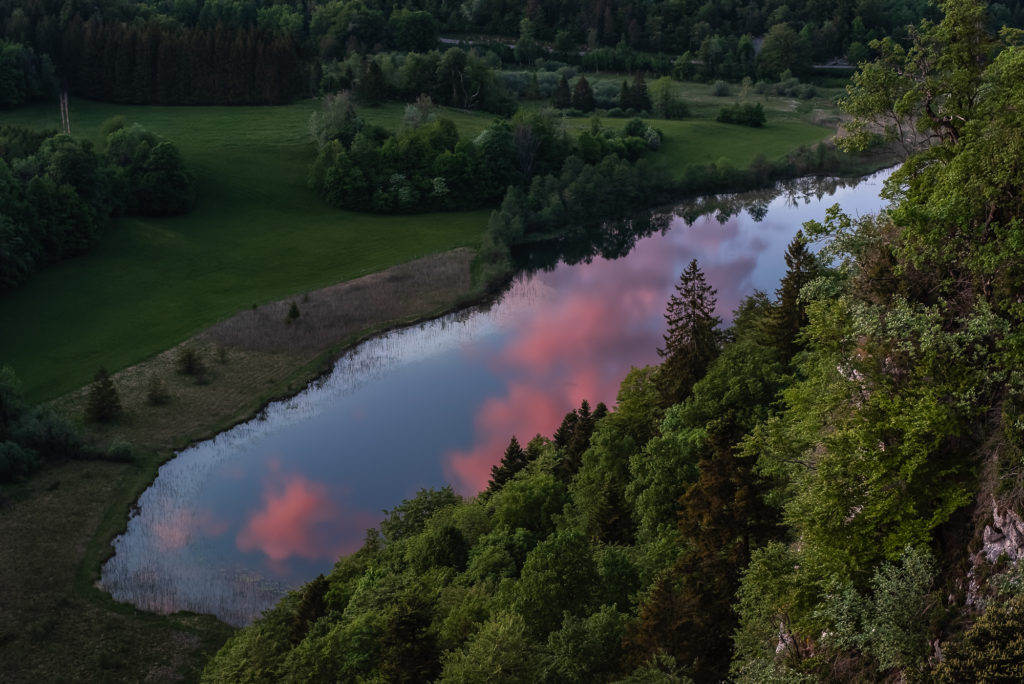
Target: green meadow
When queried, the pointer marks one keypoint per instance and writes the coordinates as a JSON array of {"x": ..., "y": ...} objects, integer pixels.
[{"x": 257, "y": 234}]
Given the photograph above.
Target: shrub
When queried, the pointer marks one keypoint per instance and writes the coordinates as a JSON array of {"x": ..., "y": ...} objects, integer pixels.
[
  {"x": 990, "y": 651},
  {"x": 49, "y": 436},
  {"x": 743, "y": 115},
  {"x": 16, "y": 461},
  {"x": 120, "y": 450},
  {"x": 720, "y": 89},
  {"x": 156, "y": 392},
  {"x": 191, "y": 364}
]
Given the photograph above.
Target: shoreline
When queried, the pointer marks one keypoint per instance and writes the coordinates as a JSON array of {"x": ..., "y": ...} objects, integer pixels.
[{"x": 253, "y": 358}]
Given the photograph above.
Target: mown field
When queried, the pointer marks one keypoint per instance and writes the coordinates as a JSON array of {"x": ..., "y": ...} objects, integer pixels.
[{"x": 257, "y": 234}]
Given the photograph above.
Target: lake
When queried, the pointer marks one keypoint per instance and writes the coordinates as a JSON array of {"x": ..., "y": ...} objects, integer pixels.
[{"x": 231, "y": 524}]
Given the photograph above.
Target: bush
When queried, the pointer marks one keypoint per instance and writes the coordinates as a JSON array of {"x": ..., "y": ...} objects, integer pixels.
[
  {"x": 744, "y": 115},
  {"x": 120, "y": 450},
  {"x": 156, "y": 391},
  {"x": 49, "y": 436},
  {"x": 190, "y": 363},
  {"x": 720, "y": 89},
  {"x": 990, "y": 651},
  {"x": 16, "y": 461}
]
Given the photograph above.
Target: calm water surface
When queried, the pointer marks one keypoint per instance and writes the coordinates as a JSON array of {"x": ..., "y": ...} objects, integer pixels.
[{"x": 231, "y": 524}]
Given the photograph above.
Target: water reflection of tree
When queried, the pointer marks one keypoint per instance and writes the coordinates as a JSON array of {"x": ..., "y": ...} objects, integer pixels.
[
  {"x": 794, "y": 192},
  {"x": 615, "y": 239}
]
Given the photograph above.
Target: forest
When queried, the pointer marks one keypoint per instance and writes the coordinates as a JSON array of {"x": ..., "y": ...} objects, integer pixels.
[
  {"x": 802, "y": 496},
  {"x": 262, "y": 52}
]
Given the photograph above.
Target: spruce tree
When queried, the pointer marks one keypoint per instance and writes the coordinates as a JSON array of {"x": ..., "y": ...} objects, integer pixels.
[
  {"x": 562, "y": 98},
  {"x": 638, "y": 97},
  {"x": 514, "y": 460},
  {"x": 790, "y": 314},
  {"x": 625, "y": 96},
  {"x": 583, "y": 95},
  {"x": 692, "y": 340},
  {"x": 103, "y": 404}
]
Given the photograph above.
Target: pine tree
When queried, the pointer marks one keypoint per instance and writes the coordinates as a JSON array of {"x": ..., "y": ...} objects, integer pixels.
[
  {"x": 562, "y": 98},
  {"x": 790, "y": 315},
  {"x": 514, "y": 460},
  {"x": 625, "y": 97},
  {"x": 103, "y": 404},
  {"x": 692, "y": 340},
  {"x": 583, "y": 95},
  {"x": 638, "y": 97}
]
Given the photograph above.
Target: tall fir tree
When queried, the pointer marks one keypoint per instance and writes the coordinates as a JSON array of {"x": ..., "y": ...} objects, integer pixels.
[
  {"x": 790, "y": 314},
  {"x": 639, "y": 99},
  {"x": 583, "y": 95},
  {"x": 625, "y": 96},
  {"x": 693, "y": 340},
  {"x": 514, "y": 460},
  {"x": 562, "y": 98}
]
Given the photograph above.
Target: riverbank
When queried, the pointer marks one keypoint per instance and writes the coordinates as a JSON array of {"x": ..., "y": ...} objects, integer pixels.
[{"x": 56, "y": 625}]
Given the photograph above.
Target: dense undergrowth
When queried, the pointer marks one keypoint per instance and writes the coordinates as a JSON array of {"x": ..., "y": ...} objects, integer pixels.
[{"x": 786, "y": 500}]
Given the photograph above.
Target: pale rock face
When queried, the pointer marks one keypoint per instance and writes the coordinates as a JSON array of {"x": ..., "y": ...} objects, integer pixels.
[{"x": 1004, "y": 537}]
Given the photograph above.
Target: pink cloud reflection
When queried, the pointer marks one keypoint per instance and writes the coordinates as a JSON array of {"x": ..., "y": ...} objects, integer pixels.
[
  {"x": 605, "y": 317},
  {"x": 181, "y": 525},
  {"x": 300, "y": 519}
]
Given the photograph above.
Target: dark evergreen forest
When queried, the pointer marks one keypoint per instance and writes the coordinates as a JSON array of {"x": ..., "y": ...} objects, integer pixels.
[{"x": 263, "y": 52}]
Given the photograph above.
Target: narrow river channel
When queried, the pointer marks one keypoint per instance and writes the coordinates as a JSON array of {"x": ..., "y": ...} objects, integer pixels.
[{"x": 230, "y": 524}]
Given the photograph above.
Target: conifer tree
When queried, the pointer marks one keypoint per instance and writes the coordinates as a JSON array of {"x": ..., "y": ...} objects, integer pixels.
[
  {"x": 583, "y": 95},
  {"x": 625, "y": 96},
  {"x": 692, "y": 340},
  {"x": 790, "y": 315},
  {"x": 562, "y": 98},
  {"x": 514, "y": 460},
  {"x": 638, "y": 97},
  {"x": 103, "y": 405}
]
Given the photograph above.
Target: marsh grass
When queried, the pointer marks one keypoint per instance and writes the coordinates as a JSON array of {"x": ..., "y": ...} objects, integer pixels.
[
  {"x": 55, "y": 626},
  {"x": 255, "y": 355}
]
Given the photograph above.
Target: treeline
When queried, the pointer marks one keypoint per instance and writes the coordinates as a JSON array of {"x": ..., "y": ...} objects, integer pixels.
[
  {"x": 155, "y": 64},
  {"x": 455, "y": 78},
  {"x": 426, "y": 167},
  {"x": 257, "y": 51},
  {"x": 57, "y": 194}
]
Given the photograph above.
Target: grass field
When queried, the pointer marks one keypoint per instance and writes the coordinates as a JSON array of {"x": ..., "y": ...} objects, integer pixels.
[{"x": 257, "y": 234}]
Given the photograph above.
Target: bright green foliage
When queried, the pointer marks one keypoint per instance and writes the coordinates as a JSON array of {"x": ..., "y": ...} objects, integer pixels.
[
  {"x": 586, "y": 650},
  {"x": 558, "y": 576},
  {"x": 991, "y": 651},
  {"x": 500, "y": 651},
  {"x": 410, "y": 517},
  {"x": 889, "y": 624}
]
